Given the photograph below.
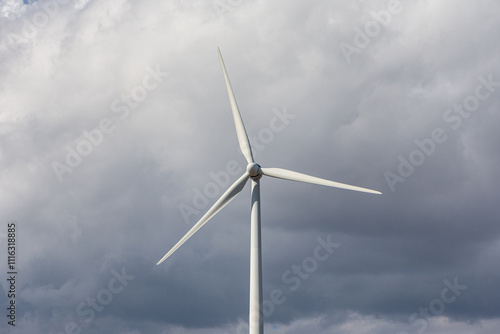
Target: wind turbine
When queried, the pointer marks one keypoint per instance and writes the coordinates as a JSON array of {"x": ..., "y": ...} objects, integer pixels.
[{"x": 253, "y": 171}]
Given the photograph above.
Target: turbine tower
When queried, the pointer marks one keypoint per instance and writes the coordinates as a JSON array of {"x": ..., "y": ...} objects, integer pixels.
[{"x": 253, "y": 172}]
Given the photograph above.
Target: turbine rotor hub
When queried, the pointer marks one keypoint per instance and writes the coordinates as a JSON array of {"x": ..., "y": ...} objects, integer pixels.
[{"x": 254, "y": 171}]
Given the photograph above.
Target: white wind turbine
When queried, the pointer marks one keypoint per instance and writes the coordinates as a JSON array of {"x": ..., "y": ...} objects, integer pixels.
[{"x": 254, "y": 172}]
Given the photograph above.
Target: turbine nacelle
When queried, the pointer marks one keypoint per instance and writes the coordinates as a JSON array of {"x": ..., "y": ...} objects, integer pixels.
[{"x": 254, "y": 171}]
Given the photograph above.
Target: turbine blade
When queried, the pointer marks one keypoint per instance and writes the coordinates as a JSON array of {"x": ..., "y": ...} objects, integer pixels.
[
  {"x": 294, "y": 176},
  {"x": 238, "y": 122},
  {"x": 221, "y": 202}
]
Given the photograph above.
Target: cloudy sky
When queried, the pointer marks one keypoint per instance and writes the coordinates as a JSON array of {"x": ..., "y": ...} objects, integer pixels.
[{"x": 116, "y": 136}]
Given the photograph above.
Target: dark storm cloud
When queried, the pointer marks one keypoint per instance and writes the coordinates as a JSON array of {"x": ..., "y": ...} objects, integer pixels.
[{"x": 89, "y": 243}]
